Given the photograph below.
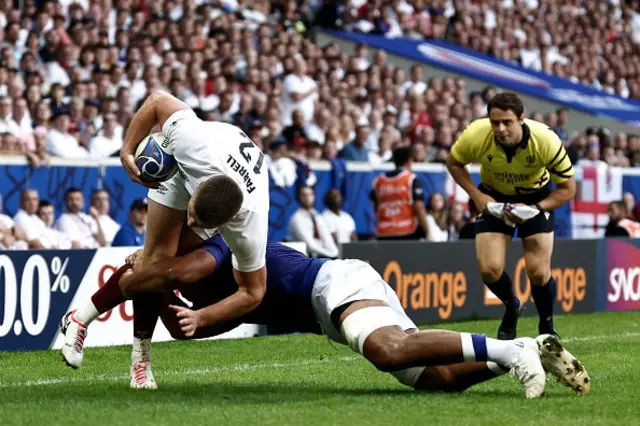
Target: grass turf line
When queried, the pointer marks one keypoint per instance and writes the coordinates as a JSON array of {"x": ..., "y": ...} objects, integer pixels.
[{"x": 293, "y": 380}]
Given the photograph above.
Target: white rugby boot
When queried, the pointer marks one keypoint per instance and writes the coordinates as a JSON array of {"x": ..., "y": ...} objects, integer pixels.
[
  {"x": 74, "y": 334},
  {"x": 141, "y": 376},
  {"x": 559, "y": 362},
  {"x": 527, "y": 368}
]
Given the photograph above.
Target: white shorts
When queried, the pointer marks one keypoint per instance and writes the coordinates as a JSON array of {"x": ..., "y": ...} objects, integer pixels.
[
  {"x": 173, "y": 194},
  {"x": 343, "y": 281}
]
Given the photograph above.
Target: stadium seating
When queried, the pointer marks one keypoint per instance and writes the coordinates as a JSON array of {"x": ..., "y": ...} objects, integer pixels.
[{"x": 72, "y": 75}]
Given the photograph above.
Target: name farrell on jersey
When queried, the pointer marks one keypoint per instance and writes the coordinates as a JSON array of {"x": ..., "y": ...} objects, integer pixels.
[{"x": 244, "y": 173}]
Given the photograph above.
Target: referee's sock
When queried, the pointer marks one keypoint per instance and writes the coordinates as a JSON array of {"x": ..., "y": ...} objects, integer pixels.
[
  {"x": 544, "y": 297},
  {"x": 503, "y": 289}
]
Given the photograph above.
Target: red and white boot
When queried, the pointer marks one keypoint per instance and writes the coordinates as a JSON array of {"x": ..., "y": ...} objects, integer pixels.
[
  {"x": 74, "y": 334},
  {"x": 141, "y": 376}
]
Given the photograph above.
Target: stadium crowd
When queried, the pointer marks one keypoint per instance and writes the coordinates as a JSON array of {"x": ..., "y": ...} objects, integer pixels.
[
  {"x": 72, "y": 73},
  {"x": 587, "y": 41}
]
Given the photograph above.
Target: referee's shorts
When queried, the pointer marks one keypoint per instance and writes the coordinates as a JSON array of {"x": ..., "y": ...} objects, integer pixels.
[{"x": 542, "y": 223}]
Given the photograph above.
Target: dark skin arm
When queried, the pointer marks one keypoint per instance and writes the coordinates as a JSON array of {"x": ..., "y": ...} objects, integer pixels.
[
  {"x": 169, "y": 273},
  {"x": 243, "y": 301}
]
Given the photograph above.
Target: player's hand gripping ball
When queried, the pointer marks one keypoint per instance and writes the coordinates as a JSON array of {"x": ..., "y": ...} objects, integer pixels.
[{"x": 154, "y": 158}]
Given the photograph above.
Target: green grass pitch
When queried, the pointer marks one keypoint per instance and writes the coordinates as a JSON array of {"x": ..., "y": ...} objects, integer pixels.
[{"x": 303, "y": 380}]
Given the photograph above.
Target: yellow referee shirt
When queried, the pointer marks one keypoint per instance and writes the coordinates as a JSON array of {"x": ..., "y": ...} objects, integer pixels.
[{"x": 527, "y": 168}]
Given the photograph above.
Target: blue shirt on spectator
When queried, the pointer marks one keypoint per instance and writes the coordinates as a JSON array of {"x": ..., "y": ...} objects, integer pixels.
[
  {"x": 128, "y": 236},
  {"x": 351, "y": 152}
]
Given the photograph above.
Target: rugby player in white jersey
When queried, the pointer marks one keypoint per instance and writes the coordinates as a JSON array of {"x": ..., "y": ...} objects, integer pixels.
[{"x": 222, "y": 185}]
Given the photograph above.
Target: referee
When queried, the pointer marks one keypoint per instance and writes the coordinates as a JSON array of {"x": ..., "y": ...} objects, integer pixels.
[{"x": 519, "y": 158}]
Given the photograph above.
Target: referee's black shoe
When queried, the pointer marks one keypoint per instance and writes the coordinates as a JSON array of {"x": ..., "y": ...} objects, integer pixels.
[{"x": 509, "y": 324}]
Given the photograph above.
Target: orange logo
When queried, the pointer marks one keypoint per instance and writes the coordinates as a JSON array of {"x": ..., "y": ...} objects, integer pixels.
[{"x": 442, "y": 291}]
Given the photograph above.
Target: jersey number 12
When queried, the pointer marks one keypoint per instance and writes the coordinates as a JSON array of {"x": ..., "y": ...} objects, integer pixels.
[{"x": 248, "y": 144}]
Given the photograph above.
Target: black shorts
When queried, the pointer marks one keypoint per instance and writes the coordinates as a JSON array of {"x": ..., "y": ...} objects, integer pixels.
[{"x": 540, "y": 224}]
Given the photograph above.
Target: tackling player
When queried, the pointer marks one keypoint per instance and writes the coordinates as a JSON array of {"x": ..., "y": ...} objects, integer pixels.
[
  {"x": 519, "y": 158},
  {"x": 222, "y": 184},
  {"x": 349, "y": 301}
]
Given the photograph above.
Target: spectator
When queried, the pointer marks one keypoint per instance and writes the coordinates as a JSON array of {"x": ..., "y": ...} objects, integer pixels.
[
  {"x": 282, "y": 169},
  {"x": 132, "y": 233},
  {"x": 437, "y": 218},
  {"x": 12, "y": 237},
  {"x": 456, "y": 220},
  {"x": 356, "y": 150},
  {"x": 295, "y": 134},
  {"x": 308, "y": 226},
  {"x": 79, "y": 226},
  {"x": 100, "y": 206},
  {"x": 108, "y": 142},
  {"x": 22, "y": 118},
  {"x": 398, "y": 199},
  {"x": 619, "y": 225},
  {"x": 592, "y": 154},
  {"x": 577, "y": 149},
  {"x": 27, "y": 219},
  {"x": 299, "y": 92},
  {"x": 10, "y": 145},
  {"x": 52, "y": 238},
  {"x": 318, "y": 128},
  {"x": 340, "y": 223},
  {"x": 227, "y": 107},
  {"x": 60, "y": 142},
  {"x": 385, "y": 149},
  {"x": 562, "y": 120},
  {"x": 416, "y": 84},
  {"x": 39, "y": 157},
  {"x": 629, "y": 204},
  {"x": 7, "y": 123}
]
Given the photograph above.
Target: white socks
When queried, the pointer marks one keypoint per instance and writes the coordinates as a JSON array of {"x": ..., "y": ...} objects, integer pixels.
[
  {"x": 141, "y": 350},
  {"x": 87, "y": 313},
  {"x": 477, "y": 347}
]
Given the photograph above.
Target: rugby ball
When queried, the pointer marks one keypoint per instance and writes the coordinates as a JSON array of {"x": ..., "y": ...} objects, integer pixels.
[{"x": 154, "y": 158}]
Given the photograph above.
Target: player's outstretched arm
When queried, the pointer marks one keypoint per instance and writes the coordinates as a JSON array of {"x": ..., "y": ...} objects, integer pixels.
[
  {"x": 158, "y": 107},
  {"x": 168, "y": 273},
  {"x": 252, "y": 287}
]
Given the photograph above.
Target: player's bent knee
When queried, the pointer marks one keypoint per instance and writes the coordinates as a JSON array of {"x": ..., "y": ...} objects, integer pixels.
[
  {"x": 359, "y": 325},
  {"x": 539, "y": 275},
  {"x": 385, "y": 351}
]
